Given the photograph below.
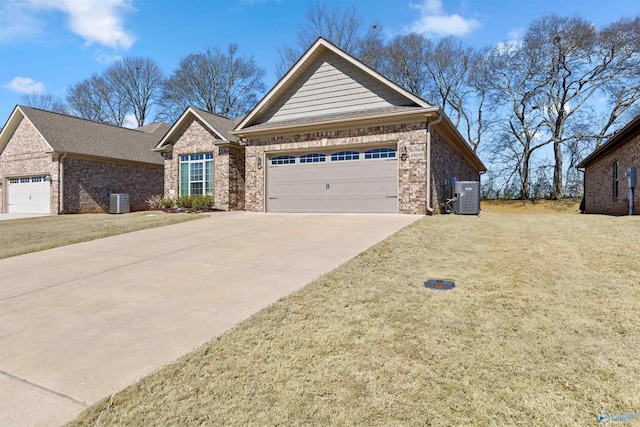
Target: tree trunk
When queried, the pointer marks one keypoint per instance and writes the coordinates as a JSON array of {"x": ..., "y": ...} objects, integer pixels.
[
  {"x": 557, "y": 189},
  {"x": 524, "y": 177}
]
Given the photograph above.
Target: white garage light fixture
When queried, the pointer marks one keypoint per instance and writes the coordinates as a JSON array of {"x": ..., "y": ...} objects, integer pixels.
[
  {"x": 259, "y": 161},
  {"x": 403, "y": 153}
]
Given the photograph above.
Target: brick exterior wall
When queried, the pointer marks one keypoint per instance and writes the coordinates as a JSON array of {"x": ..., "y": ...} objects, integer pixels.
[
  {"x": 86, "y": 182},
  {"x": 89, "y": 183},
  {"x": 411, "y": 172},
  {"x": 598, "y": 181},
  {"x": 228, "y": 173},
  {"x": 25, "y": 155},
  {"x": 446, "y": 162}
]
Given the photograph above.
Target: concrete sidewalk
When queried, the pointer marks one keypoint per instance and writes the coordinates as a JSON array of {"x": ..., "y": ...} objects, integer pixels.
[{"x": 81, "y": 322}]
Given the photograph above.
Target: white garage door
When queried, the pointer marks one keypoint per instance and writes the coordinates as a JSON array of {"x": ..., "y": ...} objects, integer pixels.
[
  {"x": 29, "y": 194},
  {"x": 342, "y": 180}
]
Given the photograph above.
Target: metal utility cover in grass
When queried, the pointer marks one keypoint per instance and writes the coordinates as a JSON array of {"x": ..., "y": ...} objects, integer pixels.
[{"x": 441, "y": 285}]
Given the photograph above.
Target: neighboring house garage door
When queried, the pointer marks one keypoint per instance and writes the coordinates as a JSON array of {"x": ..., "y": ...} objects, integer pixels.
[
  {"x": 29, "y": 194},
  {"x": 342, "y": 180}
]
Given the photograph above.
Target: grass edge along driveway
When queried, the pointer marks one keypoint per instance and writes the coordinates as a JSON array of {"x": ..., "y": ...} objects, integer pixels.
[
  {"x": 541, "y": 329},
  {"x": 23, "y": 236}
]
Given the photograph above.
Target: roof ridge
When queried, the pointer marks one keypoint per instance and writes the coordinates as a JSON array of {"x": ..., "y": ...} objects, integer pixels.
[{"x": 80, "y": 118}]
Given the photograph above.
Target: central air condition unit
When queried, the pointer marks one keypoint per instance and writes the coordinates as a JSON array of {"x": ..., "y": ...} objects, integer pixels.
[
  {"x": 119, "y": 204},
  {"x": 467, "y": 200}
]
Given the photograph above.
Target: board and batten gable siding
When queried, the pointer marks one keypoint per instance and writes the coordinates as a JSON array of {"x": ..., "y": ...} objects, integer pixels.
[{"x": 333, "y": 85}]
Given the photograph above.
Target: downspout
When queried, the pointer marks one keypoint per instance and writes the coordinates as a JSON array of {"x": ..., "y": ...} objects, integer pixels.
[
  {"x": 429, "y": 124},
  {"x": 61, "y": 183}
]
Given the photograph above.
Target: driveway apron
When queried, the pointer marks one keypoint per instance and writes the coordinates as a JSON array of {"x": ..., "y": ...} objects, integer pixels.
[{"x": 81, "y": 322}]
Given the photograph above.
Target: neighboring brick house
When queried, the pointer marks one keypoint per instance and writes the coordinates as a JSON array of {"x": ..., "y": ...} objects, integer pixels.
[
  {"x": 606, "y": 188},
  {"x": 333, "y": 135},
  {"x": 54, "y": 163},
  {"x": 201, "y": 157}
]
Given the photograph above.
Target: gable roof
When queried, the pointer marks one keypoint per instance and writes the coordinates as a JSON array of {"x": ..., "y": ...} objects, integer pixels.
[
  {"x": 220, "y": 126},
  {"x": 389, "y": 96},
  {"x": 623, "y": 135},
  {"x": 73, "y": 135}
]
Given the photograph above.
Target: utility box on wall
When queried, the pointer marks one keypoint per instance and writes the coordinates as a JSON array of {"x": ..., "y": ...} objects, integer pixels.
[
  {"x": 467, "y": 194},
  {"x": 631, "y": 177},
  {"x": 119, "y": 204}
]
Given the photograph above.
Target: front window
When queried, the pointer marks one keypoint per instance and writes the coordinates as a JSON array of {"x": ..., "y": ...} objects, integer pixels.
[{"x": 196, "y": 174}]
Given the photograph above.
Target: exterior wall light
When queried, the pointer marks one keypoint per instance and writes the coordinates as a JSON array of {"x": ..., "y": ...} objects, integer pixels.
[
  {"x": 403, "y": 153},
  {"x": 259, "y": 161}
]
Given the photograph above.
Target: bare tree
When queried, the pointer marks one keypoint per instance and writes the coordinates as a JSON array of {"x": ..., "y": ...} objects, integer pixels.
[
  {"x": 139, "y": 81},
  {"x": 222, "y": 83},
  {"x": 405, "y": 58},
  {"x": 510, "y": 75},
  {"x": 44, "y": 101},
  {"x": 95, "y": 99},
  {"x": 343, "y": 27},
  {"x": 574, "y": 61}
]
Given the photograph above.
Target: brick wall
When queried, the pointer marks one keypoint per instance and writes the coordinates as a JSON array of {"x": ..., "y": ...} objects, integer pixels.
[
  {"x": 446, "y": 162},
  {"x": 89, "y": 183},
  {"x": 598, "y": 181},
  {"x": 412, "y": 181},
  {"x": 197, "y": 138},
  {"x": 25, "y": 155}
]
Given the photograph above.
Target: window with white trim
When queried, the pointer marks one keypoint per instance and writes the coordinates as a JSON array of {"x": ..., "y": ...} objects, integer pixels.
[
  {"x": 345, "y": 155},
  {"x": 380, "y": 153},
  {"x": 313, "y": 158},
  {"x": 196, "y": 174},
  {"x": 283, "y": 160}
]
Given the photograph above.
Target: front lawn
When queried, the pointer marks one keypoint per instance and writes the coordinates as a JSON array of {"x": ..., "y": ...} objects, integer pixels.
[
  {"x": 22, "y": 236},
  {"x": 541, "y": 329}
]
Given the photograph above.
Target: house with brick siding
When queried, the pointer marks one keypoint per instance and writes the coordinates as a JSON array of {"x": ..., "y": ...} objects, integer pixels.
[
  {"x": 333, "y": 135},
  {"x": 606, "y": 187},
  {"x": 202, "y": 157},
  {"x": 54, "y": 163}
]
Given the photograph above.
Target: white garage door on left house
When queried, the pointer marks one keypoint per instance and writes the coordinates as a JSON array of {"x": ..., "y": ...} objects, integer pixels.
[{"x": 29, "y": 194}]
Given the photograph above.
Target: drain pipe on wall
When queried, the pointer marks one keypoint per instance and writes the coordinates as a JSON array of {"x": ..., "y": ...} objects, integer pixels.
[
  {"x": 429, "y": 124},
  {"x": 61, "y": 183}
]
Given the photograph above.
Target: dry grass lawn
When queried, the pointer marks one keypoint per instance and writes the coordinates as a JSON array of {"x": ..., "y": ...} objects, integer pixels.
[
  {"x": 21, "y": 236},
  {"x": 542, "y": 329}
]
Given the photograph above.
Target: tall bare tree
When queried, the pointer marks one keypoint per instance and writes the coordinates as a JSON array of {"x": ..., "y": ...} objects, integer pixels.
[
  {"x": 44, "y": 101},
  {"x": 138, "y": 81},
  {"x": 95, "y": 99},
  {"x": 575, "y": 60},
  {"x": 343, "y": 27},
  {"x": 223, "y": 83}
]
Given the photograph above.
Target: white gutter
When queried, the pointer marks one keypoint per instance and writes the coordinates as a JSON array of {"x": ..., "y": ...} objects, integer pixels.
[
  {"x": 61, "y": 183},
  {"x": 435, "y": 122}
]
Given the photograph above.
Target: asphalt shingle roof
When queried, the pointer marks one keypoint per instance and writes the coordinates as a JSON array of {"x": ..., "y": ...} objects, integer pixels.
[
  {"x": 221, "y": 124},
  {"x": 67, "y": 134}
]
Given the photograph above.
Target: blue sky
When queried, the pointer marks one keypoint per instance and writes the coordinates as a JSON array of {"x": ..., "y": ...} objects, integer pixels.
[{"x": 48, "y": 45}]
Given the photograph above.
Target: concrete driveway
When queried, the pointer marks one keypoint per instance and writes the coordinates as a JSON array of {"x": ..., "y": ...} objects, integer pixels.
[{"x": 81, "y": 322}]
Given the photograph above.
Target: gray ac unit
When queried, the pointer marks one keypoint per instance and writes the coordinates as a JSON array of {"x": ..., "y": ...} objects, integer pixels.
[
  {"x": 119, "y": 204},
  {"x": 467, "y": 200}
]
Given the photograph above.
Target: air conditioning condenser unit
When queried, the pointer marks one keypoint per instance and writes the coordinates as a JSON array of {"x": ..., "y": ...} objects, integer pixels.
[
  {"x": 467, "y": 198},
  {"x": 119, "y": 204}
]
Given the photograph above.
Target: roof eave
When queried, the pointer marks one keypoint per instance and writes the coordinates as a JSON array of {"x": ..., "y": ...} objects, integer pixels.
[{"x": 338, "y": 123}]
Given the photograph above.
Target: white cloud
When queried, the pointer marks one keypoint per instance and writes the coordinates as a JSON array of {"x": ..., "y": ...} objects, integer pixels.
[
  {"x": 514, "y": 43},
  {"x": 130, "y": 121},
  {"x": 96, "y": 21},
  {"x": 105, "y": 58},
  {"x": 17, "y": 22},
  {"x": 24, "y": 85},
  {"x": 434, "y": 21}
]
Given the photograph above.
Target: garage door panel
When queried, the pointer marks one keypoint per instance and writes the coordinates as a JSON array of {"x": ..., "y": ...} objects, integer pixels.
[
  {"x": 363, "y": 185},
  {"x": 29, "y": 195}
]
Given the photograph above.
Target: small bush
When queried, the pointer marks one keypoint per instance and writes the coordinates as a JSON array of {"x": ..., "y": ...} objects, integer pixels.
[
  {"x": 184, "y": 202},
  {"x": 154, "y": 202},
  {"x": 167, "y": 203},
  {"x": 202, "y": 203}
]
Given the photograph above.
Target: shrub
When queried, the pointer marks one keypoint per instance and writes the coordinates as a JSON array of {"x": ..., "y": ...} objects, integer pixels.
[
  {"x": 202, "y": 203},
  {"x": 184, "y": 202},
  {"x": 154, "y": 202},
  {"x": 167, "y": 203}
]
